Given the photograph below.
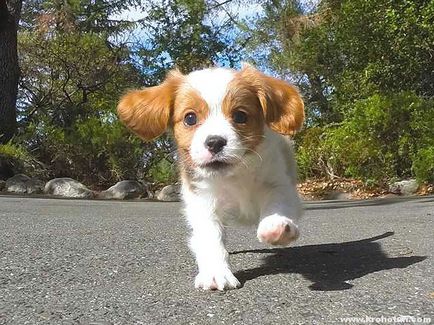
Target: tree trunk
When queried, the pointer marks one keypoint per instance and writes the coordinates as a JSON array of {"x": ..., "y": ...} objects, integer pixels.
[{"x": 9, "y": 71}]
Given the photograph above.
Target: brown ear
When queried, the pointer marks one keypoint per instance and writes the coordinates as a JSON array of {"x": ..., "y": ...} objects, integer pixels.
[
  {"x": 281, "y": 102},
  {"x": 147, "y": 111}
]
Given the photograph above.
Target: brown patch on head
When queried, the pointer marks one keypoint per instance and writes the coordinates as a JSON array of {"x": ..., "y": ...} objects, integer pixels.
[
  {"x": 281, "y": 103},
  {"x": 147, "y": 111},
  {"x": 187, "y": 101},
  {"x": 242, "y": 97}
]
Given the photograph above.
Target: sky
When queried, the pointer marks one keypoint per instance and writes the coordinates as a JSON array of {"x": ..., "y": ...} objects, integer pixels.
[
  {"x": 241, "y": 11},
  {"x": 141, "y": 34}
]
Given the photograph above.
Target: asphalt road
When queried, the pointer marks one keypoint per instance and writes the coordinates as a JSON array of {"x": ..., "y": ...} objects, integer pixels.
[{"x": 110, "y": 262}]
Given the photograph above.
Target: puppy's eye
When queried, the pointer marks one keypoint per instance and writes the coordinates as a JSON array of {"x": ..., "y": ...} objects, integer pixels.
[
  {"x": 239, "y": 117},
  {"x": 190, "y": 119}
]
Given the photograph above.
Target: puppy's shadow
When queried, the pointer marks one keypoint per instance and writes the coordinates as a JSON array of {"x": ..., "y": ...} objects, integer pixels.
[{"x": 328, "y": 266}]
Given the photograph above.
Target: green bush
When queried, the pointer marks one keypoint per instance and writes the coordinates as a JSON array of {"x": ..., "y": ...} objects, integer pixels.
[
  {"x": 19, "y": 160},
  {"x": 380, "y": 138},
  {"x": 310, "y": 156},
  {"x": 163, "y": 172},
  {"x": 423, "y": 165},
  {"x": 92, "y": 151}
]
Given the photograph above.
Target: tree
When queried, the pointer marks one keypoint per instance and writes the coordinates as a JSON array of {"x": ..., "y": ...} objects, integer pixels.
[
  {"x": 9, "y": 69},
  {"x": 342, "y": 51},
  {"x": 366, "y": 70},
  {"x": 77, "y": 58},
  {"x": 72, "y": 78},
  {"x": 182, "y": 33}
]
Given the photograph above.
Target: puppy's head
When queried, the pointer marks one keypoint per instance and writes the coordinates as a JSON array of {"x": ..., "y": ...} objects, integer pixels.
[{"x": 218, "y": 116}]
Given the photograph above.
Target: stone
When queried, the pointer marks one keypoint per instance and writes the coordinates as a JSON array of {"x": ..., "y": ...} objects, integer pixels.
[
  {"x": 404, "y": 187},
  {"x": 68, "y": 187},
  {"x": 125, "y": 190},
  {"x": 34, "y": 186},
  {"x": 21, "y": 183},
  {"x": 170, "y": 193},
  {"x": 17, "y": 183}
]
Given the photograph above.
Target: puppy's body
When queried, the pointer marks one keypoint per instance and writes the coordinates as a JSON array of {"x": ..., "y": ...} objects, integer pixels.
[
  {"x": 235, "y": 166},
  {"x": 239, "y": 195}
]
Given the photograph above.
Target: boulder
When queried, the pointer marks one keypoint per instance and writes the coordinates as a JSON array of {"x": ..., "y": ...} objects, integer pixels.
[
  {"x": 405, "y": 187},
  {"x": 170, "y": 193},
  {"x": 21, "y": 183},
  {"x": 17, "y": 183},
  {"x": 35, "y": 186},
  {"x": 67, "y": 187},
  {"x": 125, "y": 190}
]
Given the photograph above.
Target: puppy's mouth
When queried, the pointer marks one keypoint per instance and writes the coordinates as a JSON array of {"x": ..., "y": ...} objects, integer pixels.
[{"x": 216, "y": 165}]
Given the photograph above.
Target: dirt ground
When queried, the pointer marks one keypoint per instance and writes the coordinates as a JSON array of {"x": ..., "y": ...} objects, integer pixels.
[{"x": 342, "y": 188}]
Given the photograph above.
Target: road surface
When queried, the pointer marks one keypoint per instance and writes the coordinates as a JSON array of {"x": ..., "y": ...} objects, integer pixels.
[{"x": 116, "y": 262}]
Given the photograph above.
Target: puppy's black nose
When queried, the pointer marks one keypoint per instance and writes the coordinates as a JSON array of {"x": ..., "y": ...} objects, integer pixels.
[{"x": 215, "y": 143}]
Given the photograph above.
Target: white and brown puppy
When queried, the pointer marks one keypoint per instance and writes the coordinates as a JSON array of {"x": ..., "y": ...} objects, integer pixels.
[{"x": 235, "y": 163}]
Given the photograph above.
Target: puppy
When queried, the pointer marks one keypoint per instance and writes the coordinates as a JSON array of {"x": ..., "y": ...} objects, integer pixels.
[{"x": 235, "y": 164}]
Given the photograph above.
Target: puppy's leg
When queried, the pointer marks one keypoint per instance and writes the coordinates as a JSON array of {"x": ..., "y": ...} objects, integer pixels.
[
  {"x": 207, "y": 244},
  {"x": 280, "y": 209}
]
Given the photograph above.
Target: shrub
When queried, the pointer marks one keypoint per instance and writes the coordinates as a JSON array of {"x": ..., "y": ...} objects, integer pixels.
[
  {"x": 92, "y": 151},
  {"x": 15, "y": 158},
  {"x": 423, "y": 165},
  {"x": 310, "y": 156},
  {"x": 380, "y": 138}
]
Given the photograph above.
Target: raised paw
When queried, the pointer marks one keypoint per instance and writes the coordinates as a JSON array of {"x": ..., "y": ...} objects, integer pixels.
[
  {"x": 220, "y": 279},
  {"x": 277, "y": 230}
]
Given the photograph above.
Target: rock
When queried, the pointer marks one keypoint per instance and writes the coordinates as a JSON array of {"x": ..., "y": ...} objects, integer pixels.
[
  {"x": 2, "y": 185},
  {"x": 124, "y": 190},
  {"x": 34, "y": 186},
  {"x": 405, "y": 187},
  {"x": 337, "y": 195},
  {"x": 170, "y": 193},
  {"x": 17, "y": 183},
  {"x": 21, "y": 183},
  {"x": 67, "y": 187}
]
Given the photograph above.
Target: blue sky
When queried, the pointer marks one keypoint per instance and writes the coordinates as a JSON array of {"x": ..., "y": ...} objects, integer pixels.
[{"x": 241, "y": 11}]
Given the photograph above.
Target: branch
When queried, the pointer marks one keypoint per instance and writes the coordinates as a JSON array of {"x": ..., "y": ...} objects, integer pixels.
[{"x": 219, "y": 4}]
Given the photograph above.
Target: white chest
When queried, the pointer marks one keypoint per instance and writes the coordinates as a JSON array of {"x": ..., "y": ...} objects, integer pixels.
[{"x": 238, "y": 202}]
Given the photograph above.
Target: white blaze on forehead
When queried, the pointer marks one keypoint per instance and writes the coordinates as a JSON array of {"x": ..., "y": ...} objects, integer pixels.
[{"x": 212, "y": 85}]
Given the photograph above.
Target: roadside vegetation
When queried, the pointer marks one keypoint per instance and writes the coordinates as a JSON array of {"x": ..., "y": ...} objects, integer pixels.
[{"x": 365, "y": 69}]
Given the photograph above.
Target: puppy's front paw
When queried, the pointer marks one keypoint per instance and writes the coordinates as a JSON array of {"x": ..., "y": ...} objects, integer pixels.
[
  {"x": 218, "y": 279},
  {"x": 277, "y": 230}
]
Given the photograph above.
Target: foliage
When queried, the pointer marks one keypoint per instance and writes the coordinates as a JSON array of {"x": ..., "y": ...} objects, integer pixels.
[
  {"x": 341, "y": 51},
  {"x": 383, "y": 137},
  {"x": 423, "y": 165},
  {"x": 76, "y": 61},
  {"x": 164, "y": 172},
  {"x": 17, "y": 159},
  {"x": 69, "y": 90},
  {"x": 365, "y": 69},
  {"x": 182, "y": 33}
]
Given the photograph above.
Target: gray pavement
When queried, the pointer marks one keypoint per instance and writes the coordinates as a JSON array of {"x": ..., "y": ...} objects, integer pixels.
[{"x": 110, "y": 262}]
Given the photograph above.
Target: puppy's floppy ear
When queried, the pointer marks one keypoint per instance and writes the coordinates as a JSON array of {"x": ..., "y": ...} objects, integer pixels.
[
  {"x": 147, "y": 111},
  {"x": 282, "y": 104}
]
